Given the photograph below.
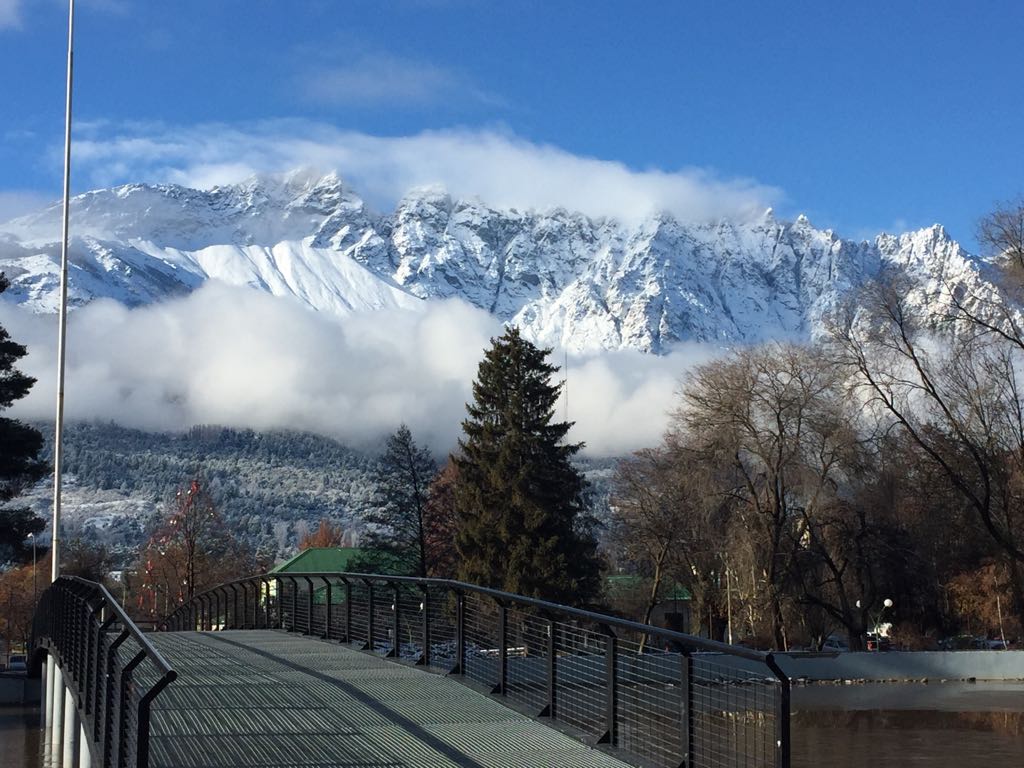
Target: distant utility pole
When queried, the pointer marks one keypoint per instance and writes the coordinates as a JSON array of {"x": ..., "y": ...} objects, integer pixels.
[{"x": 58, "y": 439}]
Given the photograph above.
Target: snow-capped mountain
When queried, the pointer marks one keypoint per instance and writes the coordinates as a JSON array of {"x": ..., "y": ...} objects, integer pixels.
[{"x": 562, "y": 277}]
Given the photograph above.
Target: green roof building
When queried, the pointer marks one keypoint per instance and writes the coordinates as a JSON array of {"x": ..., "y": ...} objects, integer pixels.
[{"x": 320, "y": 560}]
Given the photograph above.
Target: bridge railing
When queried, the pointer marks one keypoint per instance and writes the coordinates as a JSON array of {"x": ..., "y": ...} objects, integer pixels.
[
  {"x": 663, "y": 697},
  {"x": 110, "y": 666}
]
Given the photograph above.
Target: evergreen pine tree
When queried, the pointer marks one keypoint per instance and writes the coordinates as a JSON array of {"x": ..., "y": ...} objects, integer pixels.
[
  {"x": 518, "y": 499},
  {"x": 396, "y": 539},
  {"x": 20, "y": 445}
]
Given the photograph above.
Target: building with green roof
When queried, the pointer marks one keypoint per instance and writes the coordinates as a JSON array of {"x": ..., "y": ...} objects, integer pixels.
[{"x": 321, "y": 560}]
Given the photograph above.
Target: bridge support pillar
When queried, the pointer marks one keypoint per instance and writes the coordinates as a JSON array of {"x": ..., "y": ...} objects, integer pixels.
[
  {"x": 84, "y": 753},
  {"x": 45, "y": 693},
  {"x": 71, "y": 728},
  {"x": 57, "y": 709}
]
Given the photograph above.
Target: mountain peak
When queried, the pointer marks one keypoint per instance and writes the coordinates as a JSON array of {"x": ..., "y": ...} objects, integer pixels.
[{"x": 563, "y": 278}]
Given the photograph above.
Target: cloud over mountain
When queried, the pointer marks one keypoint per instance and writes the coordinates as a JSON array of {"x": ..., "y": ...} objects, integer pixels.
[
  {"x": 239, "y": 357},
  {"x": 493, "y": 165}
]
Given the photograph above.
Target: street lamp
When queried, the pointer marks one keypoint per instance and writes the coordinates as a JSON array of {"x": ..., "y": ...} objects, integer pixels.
[{"x": 876, "y": 622}]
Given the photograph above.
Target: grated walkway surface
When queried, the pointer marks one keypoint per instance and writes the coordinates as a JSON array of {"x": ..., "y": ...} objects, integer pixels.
[{"x": 265, "y": 699}]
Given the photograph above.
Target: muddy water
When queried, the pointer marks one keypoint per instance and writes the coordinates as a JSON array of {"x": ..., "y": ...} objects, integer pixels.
[
  {"x": 950, "y": 725},
  {"x": 925, "y": 726},
  {"x": 20, "y": 738}
]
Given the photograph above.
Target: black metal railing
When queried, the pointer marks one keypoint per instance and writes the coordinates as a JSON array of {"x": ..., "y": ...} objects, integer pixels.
[
  {"x": 663, "y": 697},
  {"x": 110, "y": 666}
]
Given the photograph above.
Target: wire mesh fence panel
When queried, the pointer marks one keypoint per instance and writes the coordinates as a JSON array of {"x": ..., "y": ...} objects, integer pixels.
[
  {"x": 410, "y": 624},
  {"x": 319, "y": 621},
  {"x": 236, "y": 607},
  {"x": 734, "y": 720},
  {"x": 268, "y": 602},
  {"x": 383, "y": 619},
  {"x": 287, "y": 602},
  {"x": 360, "y": 613},
  {"x": 581, "y": 681},
  {"x": 303, "y": 607},
  {"x": 274, "y": 613},
  {"x": 527, "y": 676},
  {"x": 334, "y": 609},
  {"x": 441, "y": 616},
  {"x": 650, "y": 711},
  {"x": 482, "y": 645}
]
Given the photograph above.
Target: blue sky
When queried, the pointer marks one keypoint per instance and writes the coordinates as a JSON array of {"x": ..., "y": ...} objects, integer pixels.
[{"x": 865, "y": 116}]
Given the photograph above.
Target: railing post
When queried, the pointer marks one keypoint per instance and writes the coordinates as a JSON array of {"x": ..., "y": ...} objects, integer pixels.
[
  {"x": 686, "y": 685},
  {"x": 329, "y": 596},
  {"x": 460, "y": 635},
  {"x": 100, "y": 673},
  {"x": 424, "y": 659},
  {"x": 551, "y": 709},
  {"x": 309, "y": 606},
  {"x": 295, "y": 603},
  {"x": 396, "y": 643},
  {"x": 234, "y": 608},
  {"x": 110, "y": 699},
  {"x": 782, "y": 716},
  {"x": 92, "y": 658},
  {"x": 142, "y": 744},
  {"x": 245, "y": 604},
  {"x": 348, "y": 611},
  {"x": 278, "y": 603},
  {"x": 122, "y": 711},
  {"x": 611, "y": 683},
  {"x": 502, "y": 684},
  {"x": 370, "y": 611}
]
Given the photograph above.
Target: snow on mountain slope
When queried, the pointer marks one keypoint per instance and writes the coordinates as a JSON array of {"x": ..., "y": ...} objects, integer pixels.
[{"x": 564, "y": 278}]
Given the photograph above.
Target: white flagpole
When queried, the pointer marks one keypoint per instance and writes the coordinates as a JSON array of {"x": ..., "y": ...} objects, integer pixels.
[
  {"x": 58, "y": 440},
  {"x": 54, "y": 678}
]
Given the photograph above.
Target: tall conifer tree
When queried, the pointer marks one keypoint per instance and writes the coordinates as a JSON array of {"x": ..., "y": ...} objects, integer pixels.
[
  {"x": 20, "y": 445},
  {"x": 397, "y": 539},
  {"x": 518, "y": 499}
]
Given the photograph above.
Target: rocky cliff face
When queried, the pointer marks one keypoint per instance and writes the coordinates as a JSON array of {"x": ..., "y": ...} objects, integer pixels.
[{"x": 564, "y": 278}]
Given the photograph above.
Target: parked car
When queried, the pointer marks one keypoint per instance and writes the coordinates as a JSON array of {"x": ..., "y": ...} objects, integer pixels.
[
  {"x": 833, "y": 643},
  {"x": 17, "y": 664}
]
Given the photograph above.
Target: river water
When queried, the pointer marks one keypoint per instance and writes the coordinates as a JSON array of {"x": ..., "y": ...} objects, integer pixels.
[
  {"x": 946, "y": 725},
  {"x": 20, "y": 738}
]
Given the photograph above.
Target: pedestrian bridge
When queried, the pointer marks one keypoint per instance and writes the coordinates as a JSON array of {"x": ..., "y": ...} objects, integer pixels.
[
  {"x": 360, "y": 670},
  {"x": 266, "y": 698}
]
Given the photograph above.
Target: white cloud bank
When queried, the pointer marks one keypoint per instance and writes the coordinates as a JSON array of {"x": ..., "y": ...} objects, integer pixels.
[
  {"x": 239, "y": 357},
  {"x": 497, "y": 167}
]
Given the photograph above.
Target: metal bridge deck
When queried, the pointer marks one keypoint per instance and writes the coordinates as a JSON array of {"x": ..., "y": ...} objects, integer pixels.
[{"x": 266, "y": 699}]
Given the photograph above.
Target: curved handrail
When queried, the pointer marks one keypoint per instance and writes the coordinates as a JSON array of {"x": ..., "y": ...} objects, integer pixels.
[
  {"x": 140, "y": 637},
  {"x": 526, "y": 663},
  {"x": 86, "y": 629},
  {"x": 460, "y": 586}
]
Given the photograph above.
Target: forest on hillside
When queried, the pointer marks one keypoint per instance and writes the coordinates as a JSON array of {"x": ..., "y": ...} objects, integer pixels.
[{"x": 271, "y": 488}]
